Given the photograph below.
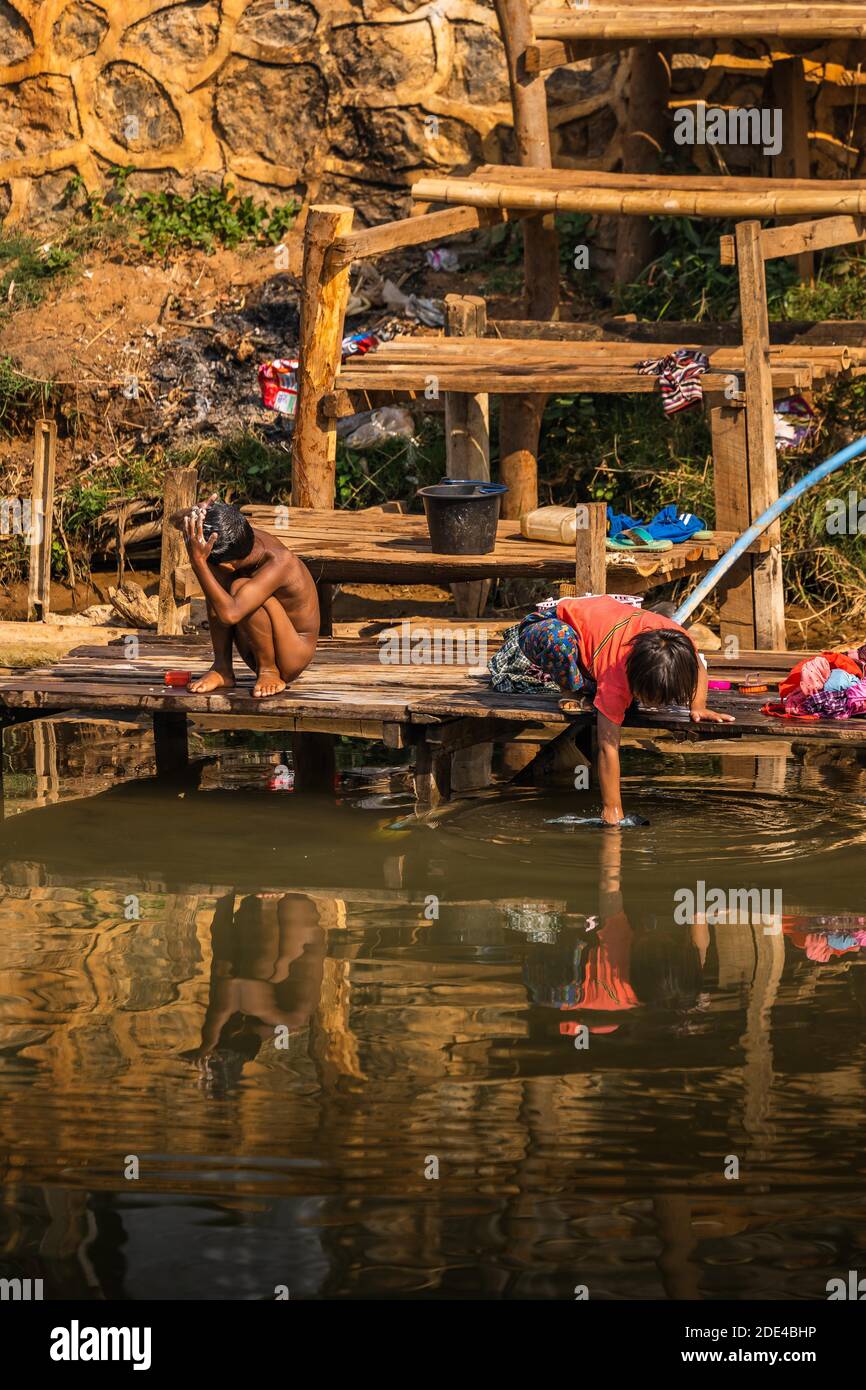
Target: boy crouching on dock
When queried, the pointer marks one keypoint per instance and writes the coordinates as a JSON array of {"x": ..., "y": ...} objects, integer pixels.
[{"x": 259, "y": 596}]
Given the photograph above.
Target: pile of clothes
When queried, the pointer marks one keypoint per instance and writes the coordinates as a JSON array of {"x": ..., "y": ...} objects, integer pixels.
[{"x": 829, "y": 686}]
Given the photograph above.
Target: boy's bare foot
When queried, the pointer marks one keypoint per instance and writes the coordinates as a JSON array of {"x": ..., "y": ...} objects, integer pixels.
[
  {"x": 268, "y": 682},
  {"x": 212, "y": 680}
]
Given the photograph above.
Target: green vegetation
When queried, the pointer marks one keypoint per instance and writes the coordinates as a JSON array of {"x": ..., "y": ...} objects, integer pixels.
[{"x": 213, "y": 215}]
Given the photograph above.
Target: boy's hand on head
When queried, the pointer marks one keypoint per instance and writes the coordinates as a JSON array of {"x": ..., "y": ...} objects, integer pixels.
[
  {"x": 197, "y": 547},
  {"x": 702, "y": 715}
]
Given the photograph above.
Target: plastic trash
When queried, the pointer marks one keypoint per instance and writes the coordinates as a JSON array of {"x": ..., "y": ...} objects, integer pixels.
[
  {"x": 442, "y": 258},
  {"x": 278, "y": 383},
  {"x": 388, "y": 422},
  {"x": 596, "y": 823},
  {"x": 794, "y": 422},
  {"x": 430, "y": 312}
]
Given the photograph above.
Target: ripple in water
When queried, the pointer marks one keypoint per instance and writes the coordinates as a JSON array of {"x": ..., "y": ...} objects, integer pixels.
[{"x": 688, "y": 824}]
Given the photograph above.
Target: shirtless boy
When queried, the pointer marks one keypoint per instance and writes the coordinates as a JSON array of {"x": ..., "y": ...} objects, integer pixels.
[{"x": 259, "y": 597}]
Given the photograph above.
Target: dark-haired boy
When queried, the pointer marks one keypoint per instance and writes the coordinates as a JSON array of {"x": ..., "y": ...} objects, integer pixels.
[{"x": 259, "y": 596}]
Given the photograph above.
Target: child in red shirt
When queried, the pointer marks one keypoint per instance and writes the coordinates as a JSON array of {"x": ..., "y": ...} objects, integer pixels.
[{"x": 618, "y": 653}]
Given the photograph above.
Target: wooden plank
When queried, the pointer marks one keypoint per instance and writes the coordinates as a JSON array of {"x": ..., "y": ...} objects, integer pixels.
[
  {"x": 41, "y": 520},
  {"x": 818, "y": 234},
  {"x": 590, "y": 567},
  {"x": 407, "y": 231},
  {"x": 731, "y": 490},
  {"x": 467, "y": 433},
  {"x": 769, "y": 595},
  {"x": 501, "y": 379},
  {"x": 179, "y": 494},
  {"x": 324, "y": 295}
]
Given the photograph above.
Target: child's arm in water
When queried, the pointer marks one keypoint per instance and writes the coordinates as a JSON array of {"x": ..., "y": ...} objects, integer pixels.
[
  {"x": 699, "y": 712},
  {"x": 608, "y": 770}
]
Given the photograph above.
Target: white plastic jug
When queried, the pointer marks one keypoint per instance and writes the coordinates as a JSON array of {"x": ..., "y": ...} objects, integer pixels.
[{"x": 558, "y": 525}]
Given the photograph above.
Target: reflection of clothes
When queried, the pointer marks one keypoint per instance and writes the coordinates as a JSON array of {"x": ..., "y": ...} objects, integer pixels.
[
  {"x": 553, "y": 646},
  {"x": 679, "y": 376},
  {"x": 606, "y": 983}
]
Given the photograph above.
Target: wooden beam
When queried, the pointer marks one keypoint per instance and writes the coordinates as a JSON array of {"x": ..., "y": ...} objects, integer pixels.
[
  {"x": 170, "y": 738},
  {"x": 324, "y": 296},
  {"x": 818, "y": 234},
  {"x": 643, "y": 146},
  {"x": 408, "y": 231},
  {"x": 628, "y": 22},
  {"x": 733, "y": 512},
  {"x": 178, "y": 495},
  {"x": 761, "y": 433},
  {"x": 313, "y": 762},
  {"x": 788, "y": 95},
  {"x": 41, "y": 520},
  {"x": 520, "y": 419},
  {"x": 432, "y": 775},
  {"x": 467, "y": 434},
  {"x": 590, "y": 559},
  {"x": 556, "y": 53}
]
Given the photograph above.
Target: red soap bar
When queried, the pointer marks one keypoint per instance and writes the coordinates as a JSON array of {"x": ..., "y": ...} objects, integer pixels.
[
  {"x": 178, "y": 677},
  {"x": 718, "y": 685}
]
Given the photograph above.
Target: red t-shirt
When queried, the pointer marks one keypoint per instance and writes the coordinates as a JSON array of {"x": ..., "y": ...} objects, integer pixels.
[{"x": 596, "y": 619}]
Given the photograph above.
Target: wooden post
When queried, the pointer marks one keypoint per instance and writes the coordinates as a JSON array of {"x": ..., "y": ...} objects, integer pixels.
[
  {"x": 467, "y": 434},
  {"x": 313, "y": 762},
  {"x": 324, "y": 296},
  {"x": 733, "y": 513},
  {"x": 179, "y": 494},
  {"x": 170, "y": 742},
  {"x": 520, "y": 416},
  {"x": 788, "y": 95},
  {"x": 590, "y": 555},
  {"x": 649, "y": 86},
  {"x": 761, "y": 435},
  {"x": 432, "y": 775},
  {"x": 41, "y": 520},
  {"x": 325, "y": 594}
]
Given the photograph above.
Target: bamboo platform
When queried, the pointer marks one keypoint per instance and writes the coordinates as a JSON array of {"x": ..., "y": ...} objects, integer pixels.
[{"x": 351, "y": 689}]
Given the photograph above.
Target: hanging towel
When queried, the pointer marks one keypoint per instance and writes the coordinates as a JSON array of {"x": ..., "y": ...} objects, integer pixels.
[{"x": 679, "y": 377}]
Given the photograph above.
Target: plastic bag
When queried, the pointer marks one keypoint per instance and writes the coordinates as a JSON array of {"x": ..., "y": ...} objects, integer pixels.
[{"x": 388, "y": 422}]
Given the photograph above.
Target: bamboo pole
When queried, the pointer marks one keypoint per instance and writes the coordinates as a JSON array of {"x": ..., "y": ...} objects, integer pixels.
[
  {"x": 792, "y": 21},
  {"x": 814, "y": 199},
  {"x": 41, "y": 520},
  {"x": 649, "y": 85},
  {"x": 324, "y": 295}
]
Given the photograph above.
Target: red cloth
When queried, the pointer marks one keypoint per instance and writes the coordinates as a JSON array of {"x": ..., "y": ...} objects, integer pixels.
[{"x": 593, "y": 619}]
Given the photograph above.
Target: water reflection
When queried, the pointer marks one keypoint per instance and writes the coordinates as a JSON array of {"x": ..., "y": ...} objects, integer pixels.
[{"x": 285, "y": 1009}]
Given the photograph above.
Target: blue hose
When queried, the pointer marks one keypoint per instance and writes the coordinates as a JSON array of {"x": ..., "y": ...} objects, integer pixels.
[{"x": 721, "y": 567}]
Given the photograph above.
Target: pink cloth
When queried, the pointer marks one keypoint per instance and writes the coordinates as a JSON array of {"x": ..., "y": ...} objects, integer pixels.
[{"x": 814, "y": 675}]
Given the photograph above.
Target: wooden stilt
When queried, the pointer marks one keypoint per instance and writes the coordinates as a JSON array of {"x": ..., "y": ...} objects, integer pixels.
[
  {"x": 472, "y": 768},
  {"x": 590, "y": 562},
  {"x": 643, "y": 145},
  {"x": 314, "y": 762},
  {"x": 558, "y": 758},
  {"x": 41, "y": 520},
  {"x": 179, "y": 494},
  {"x": 788, "y": 95},
  {"x": 520, "y": 417},
  {"x": 731, "y": 488},
  {"x": 432, "y": 775},
  {"x": 467, "y": 434},
  {"x": 761, "y": 435},
  {"x": 171, "y": 742},
  {"x": 324, "y": 295}
]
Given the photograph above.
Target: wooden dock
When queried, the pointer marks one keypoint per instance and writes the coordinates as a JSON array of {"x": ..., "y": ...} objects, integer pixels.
[{"x": 370, "y": 688}]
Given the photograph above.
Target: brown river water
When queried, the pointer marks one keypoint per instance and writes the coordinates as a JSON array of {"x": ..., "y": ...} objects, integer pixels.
[{"x": 251, "y": 1040}]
